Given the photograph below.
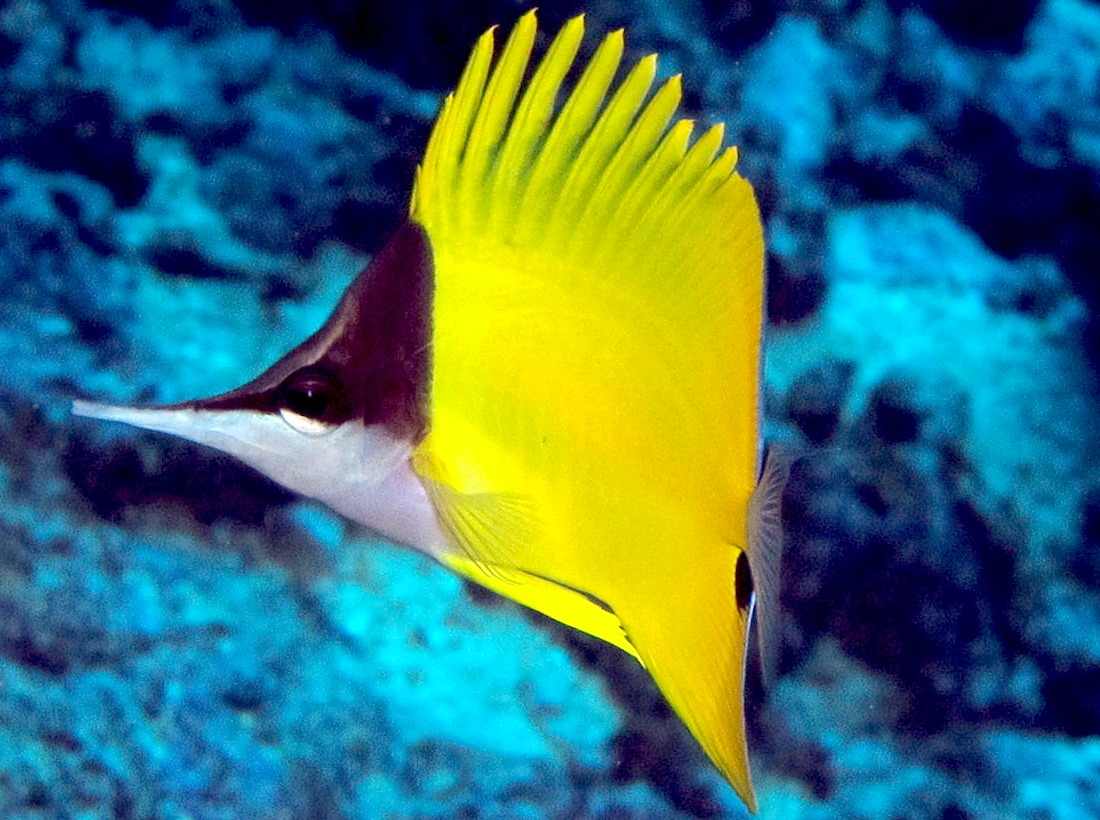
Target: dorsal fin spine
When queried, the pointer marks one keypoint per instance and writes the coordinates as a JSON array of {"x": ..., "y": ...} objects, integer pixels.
[
  {"x": 643, "y": 136},
  {"x": 722, "y": 167},
  {"x": 693, "y": 163},
  {"x": 691, "y": 168},
  {"x": 605, "y": 137},
  {"x": 428, "y": 177},
  {"x": 633, "y": 158},
  {"x": 437, "y": 179},
  {"x": 456, "y": 127},
  {"x": 638, "y": 197},
  {"x": 665, "y": 173},
  {"x": 707, "y": 181},
  {"x": 534, "y": 112},
  {"x": 570, "y": 128},
  {"x": 493, "y": 116}
]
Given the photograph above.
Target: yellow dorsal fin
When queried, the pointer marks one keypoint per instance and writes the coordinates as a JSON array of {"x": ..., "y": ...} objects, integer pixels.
[
  {"x": 502, "y": 170},
  {"x": 596, "y": 317}
]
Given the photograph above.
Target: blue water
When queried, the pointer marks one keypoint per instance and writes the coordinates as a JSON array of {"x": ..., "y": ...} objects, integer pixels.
[{"x": 186, "y": 188}]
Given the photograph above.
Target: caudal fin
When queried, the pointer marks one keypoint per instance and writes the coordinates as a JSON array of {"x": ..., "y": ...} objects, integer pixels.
[{"x": 765, "y": 555}]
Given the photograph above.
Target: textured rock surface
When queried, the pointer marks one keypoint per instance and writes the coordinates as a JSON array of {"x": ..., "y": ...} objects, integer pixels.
[{"x": 185, "y": 188}]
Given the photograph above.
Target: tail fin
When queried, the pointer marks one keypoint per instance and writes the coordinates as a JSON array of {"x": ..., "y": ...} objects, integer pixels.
[{"x": 765, "y": 554}]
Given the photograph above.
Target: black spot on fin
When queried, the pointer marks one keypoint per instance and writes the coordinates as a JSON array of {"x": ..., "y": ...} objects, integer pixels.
[{"x": 742, "y": 583}]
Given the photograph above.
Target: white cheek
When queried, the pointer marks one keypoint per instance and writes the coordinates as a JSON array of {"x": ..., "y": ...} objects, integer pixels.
[
  {"x": 367, "y": 455},
  {"x": 367, "y": 477},
  {"x": 398, "y": 508},
  {"x": 319, "y": 466}
]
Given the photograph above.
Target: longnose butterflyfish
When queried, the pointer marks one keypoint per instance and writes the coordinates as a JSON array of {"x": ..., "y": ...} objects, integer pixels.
[{"x": 547, "y": 379}]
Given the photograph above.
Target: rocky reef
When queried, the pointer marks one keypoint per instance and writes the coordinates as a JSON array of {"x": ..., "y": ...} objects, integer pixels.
[{"x": 185, "y": 189}]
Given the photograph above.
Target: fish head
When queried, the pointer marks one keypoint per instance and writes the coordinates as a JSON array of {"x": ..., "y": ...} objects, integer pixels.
[{"x": 337, "y": 417}]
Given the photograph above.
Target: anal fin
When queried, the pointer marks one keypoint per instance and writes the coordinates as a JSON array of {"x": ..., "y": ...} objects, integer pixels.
[{"x": 562, "y": 603}]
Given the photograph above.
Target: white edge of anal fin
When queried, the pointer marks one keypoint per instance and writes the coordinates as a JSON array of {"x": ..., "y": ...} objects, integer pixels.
[{"x": 765, "y": 556}]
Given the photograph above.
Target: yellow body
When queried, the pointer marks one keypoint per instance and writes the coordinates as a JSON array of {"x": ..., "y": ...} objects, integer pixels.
[{"x": 593, "y": 433}]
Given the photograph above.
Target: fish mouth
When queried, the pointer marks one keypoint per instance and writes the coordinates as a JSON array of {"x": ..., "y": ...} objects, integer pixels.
[
  {"x": 187, "y": 420},
  {"x": 147, "y": 418},
  {"x": 96, "y": 410},
  {"x": 173, "y": 419}
]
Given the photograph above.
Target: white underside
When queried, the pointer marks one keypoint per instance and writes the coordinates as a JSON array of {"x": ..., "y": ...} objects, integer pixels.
[
  {"x": 398, "y": 507},
  {"x": 362, "y": 472}
]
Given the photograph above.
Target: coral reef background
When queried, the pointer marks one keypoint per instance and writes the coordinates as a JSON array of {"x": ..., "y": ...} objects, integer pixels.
[{"x": 185, "y": 189}]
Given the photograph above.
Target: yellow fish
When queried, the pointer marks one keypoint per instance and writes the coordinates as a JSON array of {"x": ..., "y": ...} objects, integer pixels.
[{"x": 548, "y": 379}]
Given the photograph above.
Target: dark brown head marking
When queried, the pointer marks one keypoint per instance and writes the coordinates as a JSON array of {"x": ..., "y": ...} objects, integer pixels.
[{"x": 370, "y": 361}]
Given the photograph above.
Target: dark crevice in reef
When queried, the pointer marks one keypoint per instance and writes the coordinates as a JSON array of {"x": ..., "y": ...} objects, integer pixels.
[
  {"x": 138, "y": 472},
  {"x": 1015, "y": 206}
]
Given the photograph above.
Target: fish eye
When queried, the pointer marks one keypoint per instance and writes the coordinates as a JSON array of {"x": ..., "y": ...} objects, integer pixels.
[{"x": 310, "y": 401}]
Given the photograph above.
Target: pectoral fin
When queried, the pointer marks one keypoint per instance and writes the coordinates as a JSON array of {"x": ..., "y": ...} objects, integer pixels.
[
  {"x": 490, "y": 528},
  {"x": 493, "y": 535}
]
